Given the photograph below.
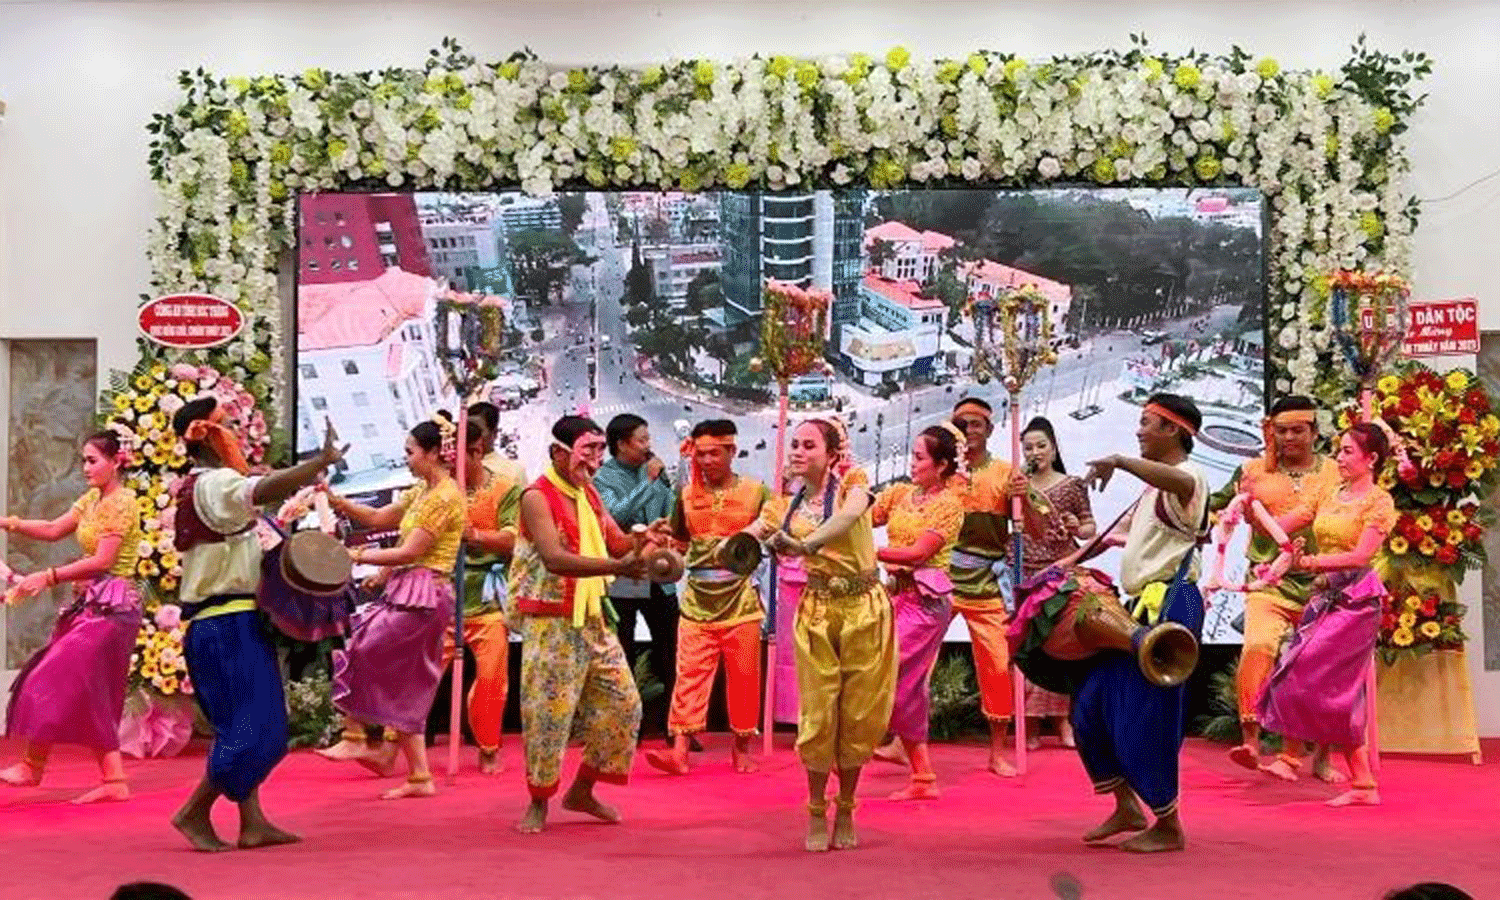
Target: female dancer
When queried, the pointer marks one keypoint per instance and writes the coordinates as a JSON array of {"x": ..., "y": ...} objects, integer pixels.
[
  {"x": 72, "y": 691},
  {"x": 1052, "y": 534},
  {"x": 846, "y": 648},
  {"x": 390, "y": 670},
  {"x": 922, "y": 519},
  {"x": 1317, "y": 691}
]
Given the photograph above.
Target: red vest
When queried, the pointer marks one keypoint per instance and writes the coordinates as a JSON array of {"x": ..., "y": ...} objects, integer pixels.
[{"x": 536, "y": 602}]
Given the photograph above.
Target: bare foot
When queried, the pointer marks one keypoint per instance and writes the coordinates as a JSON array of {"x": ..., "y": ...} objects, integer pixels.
[
  {"x": 844, "y": 835},
  {"x": 1000, "y": 766},
  {"x": 817, "y": 829},
  {"x": 1280, "y": 769},
  {"x": 1033, "y": 743},
  {"x": 264, "y": 835},
  {"x": 1245, "y": 756},
  {"x": 489, "y": 762},
  {"x": 22, "y": 774},
  {"x": 535, "y": 818},
  {"x": 108, "y": 791},
  {"x": 382, "y": 762},
  {"x": 199, "y": 831},
  {"x": 582, "y": 799},
  {"x": 1326, "y": 773},
  {"x": 422, "y": 787},
  {"x": 1159, "y": 838},
  {"x": 1357, "y": 797},
  {"x": 892, "y": 752},
  {"x": 344, "y": 750},
  {"x": 917, "y": 790},
  {"x": 669, "y": 761},
  {"x": 744, "y": 763},
  {"x": 1068, "y": 741},
  {"x": 1119, "y": 822}
]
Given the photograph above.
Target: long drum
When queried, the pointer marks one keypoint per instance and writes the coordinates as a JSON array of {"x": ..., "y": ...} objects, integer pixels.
[{"x": 1089, "y": 620}]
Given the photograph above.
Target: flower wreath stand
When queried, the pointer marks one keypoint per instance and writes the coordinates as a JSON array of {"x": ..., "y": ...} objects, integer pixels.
[
  {"x": 1451, "y": 431},
  {"x": 1424, "y": 695}
]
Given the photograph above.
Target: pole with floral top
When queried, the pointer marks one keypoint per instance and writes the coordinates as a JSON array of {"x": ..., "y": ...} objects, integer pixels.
[{"x": 793, "y": 324}]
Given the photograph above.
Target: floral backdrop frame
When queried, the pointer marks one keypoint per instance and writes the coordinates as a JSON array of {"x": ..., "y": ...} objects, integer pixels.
[{"x": 1323, "y": 146}]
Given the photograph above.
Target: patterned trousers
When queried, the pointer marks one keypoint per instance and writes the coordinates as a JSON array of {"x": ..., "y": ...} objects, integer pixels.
[{"x": 575, "y": 683}]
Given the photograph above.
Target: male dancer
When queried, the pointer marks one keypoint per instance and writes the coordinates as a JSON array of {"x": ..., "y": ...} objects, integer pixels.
[
  {"x": 497, "y": 465},
  {"x": 721, "y": 611},
  {"x": 489, "y": 540},
  {"x": 233, "y": 666},
  {"x": 574, "y": 677},
  {"x": 1289, "y": 473},
  {"x": 1130, "y": 731},
  {"x": 976, "y": 590}
]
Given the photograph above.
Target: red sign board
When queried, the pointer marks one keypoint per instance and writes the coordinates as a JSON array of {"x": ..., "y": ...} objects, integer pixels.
[
  {"x": 1442, "y": 328},
  {"x": 190, "y": 321}
]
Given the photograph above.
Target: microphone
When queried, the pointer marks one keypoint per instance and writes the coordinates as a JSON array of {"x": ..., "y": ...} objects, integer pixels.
[{"x": 662, "y": 475}]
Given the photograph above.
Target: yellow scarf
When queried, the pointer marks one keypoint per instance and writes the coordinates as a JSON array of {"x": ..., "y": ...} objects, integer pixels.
[{"x": 588, "y": 592}]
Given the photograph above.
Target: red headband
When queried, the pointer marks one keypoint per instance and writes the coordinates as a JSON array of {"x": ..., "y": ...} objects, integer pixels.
[{"x": 1172, "y": 417}]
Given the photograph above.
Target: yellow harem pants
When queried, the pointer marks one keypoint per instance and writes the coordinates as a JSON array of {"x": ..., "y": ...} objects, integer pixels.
[
  {"x": 487, "y": 636},
  {"x": 1269, "y": 618},
  {"x": 846, "y": 676},
  {"x": 988, "y": 621},
  {"x": 575, "y": 682},
  {"x": 700, "y": 645}
]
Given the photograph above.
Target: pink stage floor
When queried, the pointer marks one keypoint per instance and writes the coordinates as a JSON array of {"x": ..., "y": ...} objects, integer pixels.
[{"x": 714, "y": 833}]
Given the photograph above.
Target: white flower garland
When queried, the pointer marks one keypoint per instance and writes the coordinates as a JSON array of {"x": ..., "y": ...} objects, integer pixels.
[{"x": 1320, "y": 146}]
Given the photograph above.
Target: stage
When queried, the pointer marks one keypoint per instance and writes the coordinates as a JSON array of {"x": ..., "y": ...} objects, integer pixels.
[{"x": 717, "y": 833}]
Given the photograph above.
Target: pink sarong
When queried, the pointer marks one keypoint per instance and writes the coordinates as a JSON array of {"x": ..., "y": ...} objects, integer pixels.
[
  {"x": 389, "y": 672},
  {"x": 791, "y": 578},
  {"x": 72, "y": 691},
  {"x": 924, "y": 604},
  {"x": 1317, "y": 690}
]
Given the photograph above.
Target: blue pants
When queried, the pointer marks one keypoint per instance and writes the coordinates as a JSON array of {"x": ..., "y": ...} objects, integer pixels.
[
  {"x": 238, "y": 686},
  {"x": 1129, "y": 731}
]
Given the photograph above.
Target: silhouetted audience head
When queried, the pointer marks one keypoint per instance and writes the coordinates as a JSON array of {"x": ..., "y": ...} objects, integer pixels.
[
  {"x": 147, "y": 890},
  {"x": 1428, "y": 890}
]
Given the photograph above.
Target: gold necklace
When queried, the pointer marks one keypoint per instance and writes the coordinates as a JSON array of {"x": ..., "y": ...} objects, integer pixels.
[{"x": 1296, "y": 476}]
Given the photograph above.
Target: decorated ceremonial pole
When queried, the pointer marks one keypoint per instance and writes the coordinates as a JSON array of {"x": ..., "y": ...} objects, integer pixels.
[
  {"x": 792, "y": 329},
  {"x": 1368, "y": 314},
  {"x": 470, "y": 334},
  {"x": 1012, "y": 341}
]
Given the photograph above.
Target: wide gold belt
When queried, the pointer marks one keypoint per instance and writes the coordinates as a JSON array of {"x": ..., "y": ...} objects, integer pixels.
[{"x": 841, "y": 585}]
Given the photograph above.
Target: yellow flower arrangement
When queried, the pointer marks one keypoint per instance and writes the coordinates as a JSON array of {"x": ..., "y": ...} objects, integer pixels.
[
  {"x": 140, "y": 405},
  {"x": 1398, "y": 545},
  {"x": 1402, "y": 637},
  {"x": 1408, "y": 619},
  {"x": 1430, "y": 630},
  {"x": 1413, "y": 602}
]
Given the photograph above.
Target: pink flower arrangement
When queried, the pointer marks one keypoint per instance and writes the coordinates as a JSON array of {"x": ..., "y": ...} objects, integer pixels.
[{"x": 169, "y": 616}]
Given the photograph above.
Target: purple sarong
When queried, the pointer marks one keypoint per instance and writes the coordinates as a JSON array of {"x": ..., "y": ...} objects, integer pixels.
[
  {"x": 72, "y": 691},
  {"x": 389, "y": 672},
  {"x": 1317, "y": 690},
  {"x": 924, "y": 604}
]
